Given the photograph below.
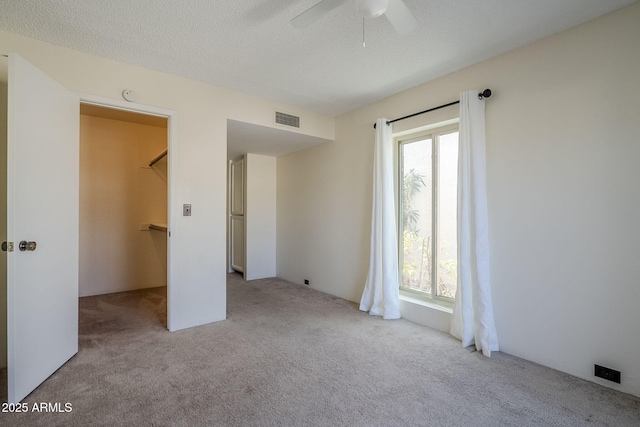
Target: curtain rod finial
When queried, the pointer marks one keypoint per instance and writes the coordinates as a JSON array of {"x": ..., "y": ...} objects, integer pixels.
[
  {"x": 375, "y": 125},
  {"x": 484, "y": 94}
]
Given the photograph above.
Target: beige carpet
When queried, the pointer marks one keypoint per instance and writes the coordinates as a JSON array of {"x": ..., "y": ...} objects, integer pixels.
[{"x": 291, "y": 356}]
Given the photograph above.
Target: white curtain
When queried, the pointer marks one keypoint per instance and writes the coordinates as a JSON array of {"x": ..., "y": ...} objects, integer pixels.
[
  {"x": 380, "y": 296},
  {"x": 473, "y": 311}
]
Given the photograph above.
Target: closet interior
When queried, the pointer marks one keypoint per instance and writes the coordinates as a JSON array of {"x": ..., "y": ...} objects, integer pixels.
[{"x": 123, "y": 201}]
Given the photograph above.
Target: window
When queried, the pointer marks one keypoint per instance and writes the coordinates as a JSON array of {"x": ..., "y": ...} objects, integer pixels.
[{"x": 428, "y": 181}]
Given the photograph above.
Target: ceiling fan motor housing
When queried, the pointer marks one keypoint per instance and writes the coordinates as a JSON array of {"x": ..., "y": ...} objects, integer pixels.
[{"x": 372, "y": 8}]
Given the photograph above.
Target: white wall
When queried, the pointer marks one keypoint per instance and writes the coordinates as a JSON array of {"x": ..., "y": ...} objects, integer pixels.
[
  {"x": 563, "y": 132},
  {"x": 119, "y": 192},
  {"x": 260, "y": 217},
  {"x": 199, "y": 295}
]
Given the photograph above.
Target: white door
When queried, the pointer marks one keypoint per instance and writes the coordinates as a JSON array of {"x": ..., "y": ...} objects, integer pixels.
[
  {"x": 237, "y": 243},
  {"x": 42, "y": 207},
  {"x": 237, "y": 215},
  {"x": 237, "y": 187}
]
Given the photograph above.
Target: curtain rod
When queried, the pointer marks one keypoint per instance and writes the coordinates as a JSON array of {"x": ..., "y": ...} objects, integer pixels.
[{"x": 484, "y": 94}]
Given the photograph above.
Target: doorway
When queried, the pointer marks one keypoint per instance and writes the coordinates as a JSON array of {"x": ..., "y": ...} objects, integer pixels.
[
  {"x": 42, "y": 207},
  {"x": 123, "y": 202}
]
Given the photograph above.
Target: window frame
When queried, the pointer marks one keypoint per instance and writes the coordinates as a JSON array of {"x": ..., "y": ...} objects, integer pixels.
[{"x": 433, "y": 132}]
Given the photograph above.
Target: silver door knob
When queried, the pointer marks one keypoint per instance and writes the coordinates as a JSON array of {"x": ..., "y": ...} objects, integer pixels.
[{"x": 27, "y": 246}]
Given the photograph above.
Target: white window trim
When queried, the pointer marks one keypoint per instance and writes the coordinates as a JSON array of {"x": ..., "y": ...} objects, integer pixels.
[
  {"x": 427, "y": 302},
  {"x": 405, "y": 137}
]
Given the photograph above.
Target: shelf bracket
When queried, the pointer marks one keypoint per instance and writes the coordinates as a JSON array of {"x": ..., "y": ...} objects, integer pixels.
[{"x": 158, "y": 157}]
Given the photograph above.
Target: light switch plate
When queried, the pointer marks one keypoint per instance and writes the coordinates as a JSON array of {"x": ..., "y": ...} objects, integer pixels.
[{"x": 186, "y": 209}]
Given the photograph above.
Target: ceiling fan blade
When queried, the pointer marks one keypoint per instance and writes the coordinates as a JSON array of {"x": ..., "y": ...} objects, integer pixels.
[
  {"x": 314, "y": 13},
  {"x": 400, "y": 17}
]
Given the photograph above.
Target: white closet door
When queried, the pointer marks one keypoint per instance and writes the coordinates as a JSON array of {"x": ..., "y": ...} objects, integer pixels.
[
  {"x": 42, "y": 207},
  {"x": 237, "y": 243},
  {"x": 237, "y": 187}
]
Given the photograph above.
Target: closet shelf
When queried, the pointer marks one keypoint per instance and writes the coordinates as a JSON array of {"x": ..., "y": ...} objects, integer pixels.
[
  {"x": 158, "y": 157},
  {"x": 159, "y": 227}
]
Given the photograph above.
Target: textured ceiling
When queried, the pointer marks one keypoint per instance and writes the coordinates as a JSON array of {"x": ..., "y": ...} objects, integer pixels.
[{"x": 249, "y": 45}]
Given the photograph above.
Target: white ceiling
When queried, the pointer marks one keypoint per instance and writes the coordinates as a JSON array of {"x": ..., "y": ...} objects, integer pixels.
[{"x": 249, "y": 45}]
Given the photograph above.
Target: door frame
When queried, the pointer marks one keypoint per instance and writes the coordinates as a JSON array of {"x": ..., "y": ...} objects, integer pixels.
[{"x": 172, "y": 146}]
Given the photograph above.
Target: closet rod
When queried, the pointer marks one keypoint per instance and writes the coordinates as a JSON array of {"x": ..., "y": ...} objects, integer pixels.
[
  {"x": 484, "y": 94},
  {"x": 161, "y": 155}
]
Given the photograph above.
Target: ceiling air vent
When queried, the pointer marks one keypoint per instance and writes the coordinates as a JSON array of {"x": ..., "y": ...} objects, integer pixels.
[{"x": 287, "y": 119}]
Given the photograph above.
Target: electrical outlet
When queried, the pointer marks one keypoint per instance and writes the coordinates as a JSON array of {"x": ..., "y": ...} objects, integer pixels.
[
  {"x": 186, "y": 209},
  {"x": 306, "y": 282},
  {"x": 607, "y": 373}
]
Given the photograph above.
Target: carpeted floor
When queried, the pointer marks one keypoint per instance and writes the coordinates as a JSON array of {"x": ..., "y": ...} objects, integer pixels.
[{"x": 291, "y": 356}]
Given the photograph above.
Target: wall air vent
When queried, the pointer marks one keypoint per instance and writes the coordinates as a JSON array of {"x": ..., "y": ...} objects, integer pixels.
[{"x": 287, "y": 119}]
